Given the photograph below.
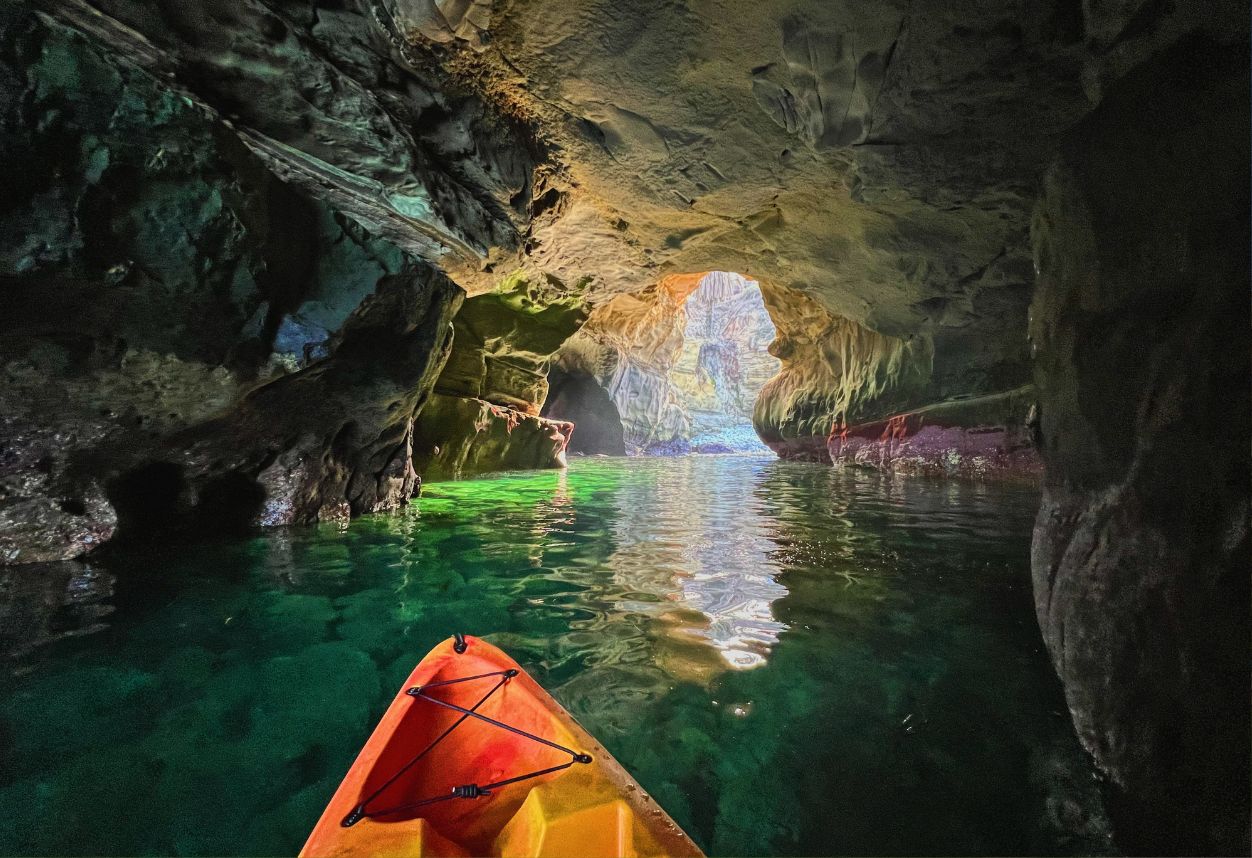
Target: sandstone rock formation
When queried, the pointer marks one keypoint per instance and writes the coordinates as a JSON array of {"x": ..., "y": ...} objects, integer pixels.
[
  {"x": 628, "y": 346},
  {"x": 987, "y": 436},
  {"x": 484, "y": 412}
]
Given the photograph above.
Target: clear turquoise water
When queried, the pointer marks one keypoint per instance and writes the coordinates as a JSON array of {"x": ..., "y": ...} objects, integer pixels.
[{"x": 792, "y": 659}]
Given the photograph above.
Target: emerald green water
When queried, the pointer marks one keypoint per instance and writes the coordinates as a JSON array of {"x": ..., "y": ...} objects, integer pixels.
[{"x": 794, "y": 660}]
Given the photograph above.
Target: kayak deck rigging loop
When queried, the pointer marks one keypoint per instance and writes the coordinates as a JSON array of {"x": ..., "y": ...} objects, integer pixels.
[{"x": 418, "y": 692}]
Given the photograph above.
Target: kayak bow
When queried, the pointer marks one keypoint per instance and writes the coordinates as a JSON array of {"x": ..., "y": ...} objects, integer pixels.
[{"x": 473, "y": 757}]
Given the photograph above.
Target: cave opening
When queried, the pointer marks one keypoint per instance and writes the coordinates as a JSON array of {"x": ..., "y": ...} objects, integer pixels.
[{"x": 671, "y": 370}]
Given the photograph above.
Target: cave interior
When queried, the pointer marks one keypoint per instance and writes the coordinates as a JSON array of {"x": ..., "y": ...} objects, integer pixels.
[{"x": 279, "y": 262}]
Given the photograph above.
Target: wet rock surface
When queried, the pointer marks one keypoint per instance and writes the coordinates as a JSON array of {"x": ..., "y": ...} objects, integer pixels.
[
  {"x": 240, "y": 230},
  {"x": 987, "y": 437},
  {"x": 1141, "y": 548},
  {"x": 484, "y": 413},
  {"x": 189, "y": 343},
  {"x": 459, "y": 436}
]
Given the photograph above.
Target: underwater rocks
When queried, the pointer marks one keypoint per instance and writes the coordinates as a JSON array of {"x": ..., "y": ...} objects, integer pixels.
[
  {"x": 1141, "y": 547},
  {"x": 44, "y": 602},
  {"x": 988, "y": 437}
]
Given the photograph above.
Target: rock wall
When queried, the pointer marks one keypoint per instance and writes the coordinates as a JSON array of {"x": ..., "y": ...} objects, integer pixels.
[
  {"x": 983, "y": 437},
  {"x": 834, "y": 371},
  {"x": 629, "y": 345},
  {"x": 189, "y": 342},
  {"x": 341, "y": 103},
  {"x": 837, "y": 372},
  {"x": 458, "y": 436},
  {"x": 1141, "y": 549},
  {"x": 579, "y": 399},
  {"x": 484, "y": 414}
]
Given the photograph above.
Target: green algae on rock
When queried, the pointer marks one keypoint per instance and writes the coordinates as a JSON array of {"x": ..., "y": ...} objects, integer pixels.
[{"x": 484, "y": 412}]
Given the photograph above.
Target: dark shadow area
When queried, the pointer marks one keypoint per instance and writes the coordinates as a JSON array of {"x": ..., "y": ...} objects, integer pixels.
[
  {"x": 582, "y": 401},
  {"x": 154, "y": 505}
]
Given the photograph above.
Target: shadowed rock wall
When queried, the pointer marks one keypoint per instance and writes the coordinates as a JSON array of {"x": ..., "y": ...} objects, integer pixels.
[
  {"x": 160, "y": 284},
  {"x": 1141, "y": 549},
  {"x": 579, "y": 399}
]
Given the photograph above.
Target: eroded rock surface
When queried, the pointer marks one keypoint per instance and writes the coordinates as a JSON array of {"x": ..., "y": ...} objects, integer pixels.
[
  {"x": 484, "y": 412},
  {"x": 160, "y": 285},
  {"x": 1141, "y": 548},
  {"x": 233, "y": 246},
  {"x": 984, "y": 437}
]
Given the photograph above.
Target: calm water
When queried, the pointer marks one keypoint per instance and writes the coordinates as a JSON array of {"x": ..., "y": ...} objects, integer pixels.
[{"x": 792, "y": 659}]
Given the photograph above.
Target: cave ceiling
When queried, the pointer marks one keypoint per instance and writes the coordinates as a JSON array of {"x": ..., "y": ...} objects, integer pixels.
[{"x": 881, "y": 157}]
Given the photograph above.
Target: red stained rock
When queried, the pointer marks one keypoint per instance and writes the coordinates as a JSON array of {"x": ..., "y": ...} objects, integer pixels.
[{"x": 932, "y": 442}]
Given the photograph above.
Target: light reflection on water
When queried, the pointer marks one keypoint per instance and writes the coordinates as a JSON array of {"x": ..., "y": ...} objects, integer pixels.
[
  {"x": 899, "y": 703},
  {"x": 691, "y": 535}
]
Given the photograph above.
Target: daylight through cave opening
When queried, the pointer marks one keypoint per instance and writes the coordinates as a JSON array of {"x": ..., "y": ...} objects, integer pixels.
[{"x": 675, "y": 368}]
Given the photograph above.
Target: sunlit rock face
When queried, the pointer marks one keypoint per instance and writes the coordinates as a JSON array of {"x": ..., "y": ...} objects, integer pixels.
[
  {"x": 681, "y": 361},
  {"x": 484, "y": 412},
  {"x": 1141, "y": 547},
  {"x": 458, "y": 436}
]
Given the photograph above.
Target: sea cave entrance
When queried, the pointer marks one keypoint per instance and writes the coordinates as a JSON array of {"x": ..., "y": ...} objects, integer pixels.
[{"x": 673, "y": 369}]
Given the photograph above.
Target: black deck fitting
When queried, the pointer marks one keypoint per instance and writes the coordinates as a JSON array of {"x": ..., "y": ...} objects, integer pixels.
[
  {"x": 582, "y": 758},
  {"x": 357, "y": 814},
  {"x": 459, "y": 643}
]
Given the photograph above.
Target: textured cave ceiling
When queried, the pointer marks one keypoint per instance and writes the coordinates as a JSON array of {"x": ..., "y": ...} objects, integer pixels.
[{"x": 882, "y": 157}]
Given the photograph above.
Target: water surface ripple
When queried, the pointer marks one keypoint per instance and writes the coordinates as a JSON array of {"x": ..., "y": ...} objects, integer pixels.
[{"x": 793, "y": 659}]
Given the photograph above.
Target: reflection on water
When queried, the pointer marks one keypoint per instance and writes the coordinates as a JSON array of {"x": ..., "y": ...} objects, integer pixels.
[
  {"x": 691, "y": 535},
  {"x": 899, "y": 701}
]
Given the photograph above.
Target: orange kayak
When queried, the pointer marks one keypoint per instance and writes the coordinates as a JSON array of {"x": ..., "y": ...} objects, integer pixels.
[{"x": 474, "y": 758}]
